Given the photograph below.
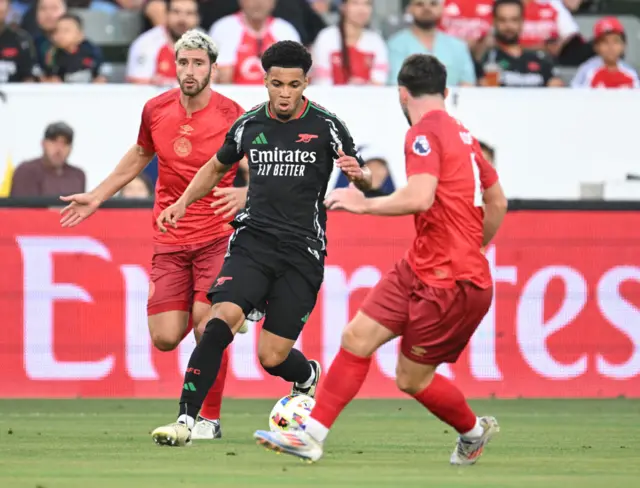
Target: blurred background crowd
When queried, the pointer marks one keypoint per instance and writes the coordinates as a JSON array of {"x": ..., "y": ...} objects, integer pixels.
[{"x": 511, "y": 43}]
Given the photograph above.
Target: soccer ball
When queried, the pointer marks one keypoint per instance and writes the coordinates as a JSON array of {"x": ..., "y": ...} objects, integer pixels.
[{"x": 290, "y": 412}]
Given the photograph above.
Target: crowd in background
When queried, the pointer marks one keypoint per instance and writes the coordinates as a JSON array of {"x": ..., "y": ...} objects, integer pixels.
[{"x": 513, "y": 43}]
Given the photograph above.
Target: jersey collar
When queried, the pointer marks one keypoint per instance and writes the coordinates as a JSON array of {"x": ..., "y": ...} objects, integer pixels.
[{"x": 303, "y": 110}]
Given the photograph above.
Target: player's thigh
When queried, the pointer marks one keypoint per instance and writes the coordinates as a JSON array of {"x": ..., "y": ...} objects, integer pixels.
[
  {"x": 242, "y": 283},
  {"x": 386, "y": 304},
  {"x": 206, "y": 265},
  {"x": 364, "y": 335},
  {"x": 169, "y": 301},
  {"x": 292, "y": 297},
  {"x": 442, "y": 322}
]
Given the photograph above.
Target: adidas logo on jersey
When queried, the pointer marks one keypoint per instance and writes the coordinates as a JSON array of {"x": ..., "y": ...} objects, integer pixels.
[{"x": 261, "y": 139}]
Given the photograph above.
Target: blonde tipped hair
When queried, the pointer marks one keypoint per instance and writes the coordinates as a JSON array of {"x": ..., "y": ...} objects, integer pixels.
[{"x": 196, "y": 39}]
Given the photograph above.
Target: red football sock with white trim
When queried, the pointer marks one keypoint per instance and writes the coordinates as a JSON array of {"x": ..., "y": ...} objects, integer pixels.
[
  {"x": 444, "y": 400},
  {"x": 342, "y": 383}
]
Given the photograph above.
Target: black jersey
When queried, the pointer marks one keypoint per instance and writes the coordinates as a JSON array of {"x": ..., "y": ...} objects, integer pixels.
[
  {"x": 81, "y": 66},
  {"x": 530, "y": 69},
  {"x": 17, "y": 56},
  {"x": 289, "y": 168}
]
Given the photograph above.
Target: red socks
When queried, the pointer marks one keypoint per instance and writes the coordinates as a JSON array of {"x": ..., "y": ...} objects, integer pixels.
[
  {"x": 343, "y": 381},
  {"x": 444, "y": 400}
]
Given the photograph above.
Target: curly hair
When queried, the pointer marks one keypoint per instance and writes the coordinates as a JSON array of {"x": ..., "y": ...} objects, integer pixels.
[{"x": 287, "y": 54}]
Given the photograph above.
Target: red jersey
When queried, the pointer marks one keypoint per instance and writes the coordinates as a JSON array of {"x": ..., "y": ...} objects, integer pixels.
[
  {"x": 449, "y": 235},
  {"x": 151, "y": 58},
  {"x": 368, "y": 59},
  {"x": 545, "y": 20},
  {"x": 242, "y": 47},
  {"x": 183, "y": 145},
  {"x": 467, "y": 19},
  {"x": 595, "y": 74}
]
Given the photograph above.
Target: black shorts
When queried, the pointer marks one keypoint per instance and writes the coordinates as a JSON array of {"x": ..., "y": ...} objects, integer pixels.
[{"x": 262, "y": 272}]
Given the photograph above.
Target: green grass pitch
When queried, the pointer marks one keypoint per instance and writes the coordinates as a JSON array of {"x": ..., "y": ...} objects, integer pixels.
[{"x": 106, "y": 443}]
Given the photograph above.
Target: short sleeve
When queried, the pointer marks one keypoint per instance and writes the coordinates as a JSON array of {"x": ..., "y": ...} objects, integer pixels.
[
  {"x": 140, "y": 63},
  {"x": 227, "y": 36},
  {"x": 345, "y": 141},
  {"x": 488, "y": 174},
  {"x": 567, "y": 25},
  {"x": 145, "y": 139},
  {"x": 422, "y": 152},
  {"x": 380, "y": 69},
  {"x": 321, "y": 73},
  {"x": 231, "y": 151}
]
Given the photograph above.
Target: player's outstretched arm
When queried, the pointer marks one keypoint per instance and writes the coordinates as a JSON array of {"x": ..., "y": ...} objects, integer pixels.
[
  {"x": 82, "y": 205},
  {"x": 416, "y": 197},
  {"x": 495, "y": 209}
]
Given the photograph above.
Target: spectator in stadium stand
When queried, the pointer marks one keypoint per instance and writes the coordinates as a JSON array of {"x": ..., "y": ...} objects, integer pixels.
[
  {"x": 73, "y": 59},
  {"x": 377, "y": 163},
  {"x": 41, "y": 22},
  {"x": 508, "y": 63},
  {"x": 154, "y": 13},
  {"x": 18, "y": 61},
  {"x": 138, "y": 188},
  {"x": 151, "y": 59},
  {"x": 50, "y": 175},
  {"x": 322, "y": 7},
  {"x": 244, "y": 36},
  {"x": 350, "y": 53},
  {"x": 424, "y": 37},
  {"x": 607, "y": 69},
  {"x": 469, "y": 20},
  {"x": 299, "y": 13}
]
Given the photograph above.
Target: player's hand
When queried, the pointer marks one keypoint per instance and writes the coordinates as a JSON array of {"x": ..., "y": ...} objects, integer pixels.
[
  {"x": 81, "y": 206},
  {"x": 347, "y": 199},
  {"x": 349, "y": 166},
  {"x": 229, "y": 201},
  {"x": 171, "y": 215}
]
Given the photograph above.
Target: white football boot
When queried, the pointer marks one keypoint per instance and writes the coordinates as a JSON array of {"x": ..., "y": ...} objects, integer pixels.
[
  {"x": 206, "y": 429},
  {"x": 174, "y": 435},
  {"x": 295, "y": 443},
  {"x": 468, "y": 452}
]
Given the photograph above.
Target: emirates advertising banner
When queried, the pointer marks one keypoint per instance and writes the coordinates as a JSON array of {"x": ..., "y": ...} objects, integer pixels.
[{"x": 565, "y": 321}]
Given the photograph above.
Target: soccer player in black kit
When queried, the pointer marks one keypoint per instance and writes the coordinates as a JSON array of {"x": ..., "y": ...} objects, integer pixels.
[{"x": 276, "y": 255}]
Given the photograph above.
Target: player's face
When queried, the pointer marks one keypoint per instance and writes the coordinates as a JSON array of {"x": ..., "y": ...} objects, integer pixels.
[
  {"x": 194, "y": 71},
  {"x": 610, "y": 47},
  {"x": 67, "y": 34},
  {"x": 257, "y": 10},
  {"x": 56, "y": 151},
  {"x": 425, "y": 13},
  {"x": 48, "y": 13},
  {"x": 181, "y": 17},
  {"x": 357, "y": 12},
  {"x": 4, "y": 8},
  {"x": 285, "y": 86},
  {"x": 507, "y": 24}
]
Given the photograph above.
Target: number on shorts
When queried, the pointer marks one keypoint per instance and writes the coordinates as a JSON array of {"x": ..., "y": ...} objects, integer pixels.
[{"x": 477, "y": 186}]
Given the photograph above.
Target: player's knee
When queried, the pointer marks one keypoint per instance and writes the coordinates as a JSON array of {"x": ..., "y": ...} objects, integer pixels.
[
  {"x": 412, "y": 382},
  {"x": 229, "y": 312},
  {"x": 165, "y": 342},
  {"x": 354, "y": 341},
  {"x": 271, "y": 358}
]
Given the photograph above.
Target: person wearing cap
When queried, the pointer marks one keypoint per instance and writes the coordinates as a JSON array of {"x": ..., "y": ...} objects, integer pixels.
[
  {"x": 50, "y": 174},
  {"x": 607, "y": 69}
]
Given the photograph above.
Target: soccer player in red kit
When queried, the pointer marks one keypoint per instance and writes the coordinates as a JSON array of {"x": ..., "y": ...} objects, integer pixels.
[
  {"x": 184, "y": 127},
  {"x": 437, "y": 295}
]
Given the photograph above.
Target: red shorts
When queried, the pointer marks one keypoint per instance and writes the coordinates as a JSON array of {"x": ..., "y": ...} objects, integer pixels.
[
  {"x": 183, "y": 274},
  {"x": 435, "y": 323}
]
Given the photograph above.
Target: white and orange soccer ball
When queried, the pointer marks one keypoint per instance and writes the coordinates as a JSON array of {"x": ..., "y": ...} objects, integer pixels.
[{"x": 290, "y": 412}]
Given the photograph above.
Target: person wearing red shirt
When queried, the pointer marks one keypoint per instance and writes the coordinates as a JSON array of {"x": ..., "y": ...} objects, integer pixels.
[
  {"x": 244, "y": 37},
  {"x": 607, "y": 69},
  {"x": 437, "y": 295},
  {"x": 350, "y": 53},
  {"x": 183, "y": 126}
]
